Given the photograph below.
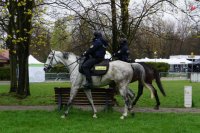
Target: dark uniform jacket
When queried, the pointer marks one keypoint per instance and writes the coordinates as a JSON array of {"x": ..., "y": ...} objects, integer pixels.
[
  {"x": 123, "y": 52},
  {"x": 97, "y": 49}
]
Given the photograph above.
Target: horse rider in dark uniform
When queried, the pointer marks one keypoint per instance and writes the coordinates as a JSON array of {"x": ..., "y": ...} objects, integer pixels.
[
  {"x": 95, "y": 54},
  {"x": 123, "y": 51}
]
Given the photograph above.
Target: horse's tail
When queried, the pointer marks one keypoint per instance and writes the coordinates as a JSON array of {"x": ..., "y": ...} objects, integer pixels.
[
  {"x": 158, "y": 82},
  {"x": 142, "y": 75}
]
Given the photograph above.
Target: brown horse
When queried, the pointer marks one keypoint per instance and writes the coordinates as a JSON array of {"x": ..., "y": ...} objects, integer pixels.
[{"x": 151, "y": 74}]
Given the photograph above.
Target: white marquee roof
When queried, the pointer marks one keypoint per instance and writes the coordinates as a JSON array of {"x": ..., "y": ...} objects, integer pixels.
[
  {"x": 169, "y": 61},
  {"x": 33, "y": 60}
]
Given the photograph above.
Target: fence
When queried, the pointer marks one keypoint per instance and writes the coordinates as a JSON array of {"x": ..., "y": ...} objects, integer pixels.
[
  {"x": 163, "y": 75},
  {"x": 57, "y": 76},
  {"x": 175, "y": 75},
  {"x": 195, "y": 77}
]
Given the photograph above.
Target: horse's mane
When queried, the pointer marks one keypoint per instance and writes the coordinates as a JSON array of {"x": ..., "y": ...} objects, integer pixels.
[{"x": 69, "y": 53}]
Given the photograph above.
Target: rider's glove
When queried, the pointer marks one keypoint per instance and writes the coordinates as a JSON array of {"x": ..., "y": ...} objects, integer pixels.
[{"x": 83, "y": 54}]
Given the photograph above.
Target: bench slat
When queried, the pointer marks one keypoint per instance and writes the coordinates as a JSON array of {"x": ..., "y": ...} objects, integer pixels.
[{"x": 101, "y": 96}]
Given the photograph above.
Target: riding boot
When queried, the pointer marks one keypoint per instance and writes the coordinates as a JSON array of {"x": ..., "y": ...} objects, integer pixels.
[{"x": 88, "y": 83}]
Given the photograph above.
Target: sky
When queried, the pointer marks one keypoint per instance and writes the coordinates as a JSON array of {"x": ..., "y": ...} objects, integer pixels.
[{"x": 172, "y": 14}]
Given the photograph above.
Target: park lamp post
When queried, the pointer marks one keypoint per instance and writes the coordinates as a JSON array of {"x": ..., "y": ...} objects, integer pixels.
[
  {"x": 192, "y": 57},
  {"x": 155, "y": 55}
]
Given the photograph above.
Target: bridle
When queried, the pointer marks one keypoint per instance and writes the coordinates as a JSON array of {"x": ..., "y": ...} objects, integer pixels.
[
  {"x": 53, "y": 57},
  {"x": 46, "y": 67}
]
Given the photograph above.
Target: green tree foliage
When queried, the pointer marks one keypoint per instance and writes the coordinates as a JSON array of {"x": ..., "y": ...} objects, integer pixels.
[
  {"x": 60, "y": 39},
  {"x": 124, "y": 16},
  {"x": 18, "y": 24},
  {"x": 82, "y": 37},
  {"x": 40, "y": 34},
  {"x": 40, "y": 43}
]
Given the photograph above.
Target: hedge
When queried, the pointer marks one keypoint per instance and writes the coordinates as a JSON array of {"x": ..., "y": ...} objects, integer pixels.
[
  {"x": 4, "y": 73},
  {"x": 160, "y": 66}
]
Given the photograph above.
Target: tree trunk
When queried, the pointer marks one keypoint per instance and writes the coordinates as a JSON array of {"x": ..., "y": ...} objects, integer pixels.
[
  {"x": 23, "y": 81},
  {"x": 24, "y": 25},
  {"x": 124, "y": 17},
  {"x": 114, "y": 26},
  {"x": 13, "y": 72},
  {"x": 12, "y": 55}
]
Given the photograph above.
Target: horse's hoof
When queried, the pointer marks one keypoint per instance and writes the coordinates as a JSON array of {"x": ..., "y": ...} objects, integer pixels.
[
  {"x": 122, "y": 117},
  {"x": 133, "y": 114},
  {"x": 63, "y": 117},
  {"x": 130, "y": 108},
  {"x": 95, "y": 116},
  {"x": 156, "y": 107}
]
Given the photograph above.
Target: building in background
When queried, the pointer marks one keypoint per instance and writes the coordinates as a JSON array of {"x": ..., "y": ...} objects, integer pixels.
[
  {"x": 4, "y": 57},
  {"x": 178, "y": 63}
]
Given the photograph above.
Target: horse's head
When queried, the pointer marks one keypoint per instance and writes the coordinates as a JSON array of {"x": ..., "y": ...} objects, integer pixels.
[
  {"x": 54, "y": 58},
  {"x": 51, "y": 61}
]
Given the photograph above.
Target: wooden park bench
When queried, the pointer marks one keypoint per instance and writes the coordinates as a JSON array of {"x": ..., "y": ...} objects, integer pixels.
[{"x": 101, "y": 96}]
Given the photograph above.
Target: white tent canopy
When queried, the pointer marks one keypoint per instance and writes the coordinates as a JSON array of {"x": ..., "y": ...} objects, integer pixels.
[
  {"x": 178, "y": 61},
  {"x": 169, "y": 61},
  {"x": 32, "y": 60},
  {"x": 36, "y": 72}
]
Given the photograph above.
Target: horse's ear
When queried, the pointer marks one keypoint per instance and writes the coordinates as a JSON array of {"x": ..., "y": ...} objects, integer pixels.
[
  {"x": 51, "y": 51},
  {"x": 65, "y": 55}
]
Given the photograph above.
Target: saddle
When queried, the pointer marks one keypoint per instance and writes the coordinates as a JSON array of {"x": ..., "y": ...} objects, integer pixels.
[{"x": 98, "y": 69}]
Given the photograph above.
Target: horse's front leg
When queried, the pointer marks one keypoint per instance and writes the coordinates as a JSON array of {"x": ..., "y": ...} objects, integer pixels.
[
  {"x": 73, "y": 93},
  {"x": 123, "y": 93},
  {"x": 89, "y": 96}
]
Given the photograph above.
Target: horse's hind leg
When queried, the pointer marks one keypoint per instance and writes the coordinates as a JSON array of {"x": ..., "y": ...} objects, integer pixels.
[
  {"x": 139, "y": 93},
  {"x": 124, "y": 94},
  {"x": 131, "y": 96},
  {"x": 89, "y": 96},
  {"x": 156, "y": 96},
  {"x": 73, "y": 93}
]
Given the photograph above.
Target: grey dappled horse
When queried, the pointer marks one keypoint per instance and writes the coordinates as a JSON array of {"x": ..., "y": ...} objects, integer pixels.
[{"x": 120, "y": 72}]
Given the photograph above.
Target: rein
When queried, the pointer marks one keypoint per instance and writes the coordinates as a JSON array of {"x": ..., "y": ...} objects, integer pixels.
[
  {"x": 53, "y": 53},
  {"x": 73, "y": 63}
]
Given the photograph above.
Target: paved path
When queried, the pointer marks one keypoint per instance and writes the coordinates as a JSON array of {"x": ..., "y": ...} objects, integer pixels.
[{"x": 137, "y": 109}]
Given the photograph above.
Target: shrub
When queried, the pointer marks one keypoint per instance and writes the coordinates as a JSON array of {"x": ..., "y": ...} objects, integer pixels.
[
  {"x": 160, "y": 66},
  {"x": 4, "y": 73}
]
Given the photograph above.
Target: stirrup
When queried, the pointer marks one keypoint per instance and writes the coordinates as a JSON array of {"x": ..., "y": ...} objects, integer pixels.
[{"x": 88, "y": 86}]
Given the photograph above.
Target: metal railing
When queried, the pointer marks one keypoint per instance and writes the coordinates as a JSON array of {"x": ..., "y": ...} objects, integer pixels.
[
  {"x": 57, "y": 76},
  {"x": 163, "y": 75},
  {"x": 175, "y": 75}
]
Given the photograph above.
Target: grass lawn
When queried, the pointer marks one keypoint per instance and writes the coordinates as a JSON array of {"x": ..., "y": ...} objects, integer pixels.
[
  {"x": 43, "y": 94},
  {"x": 80, "y": 121},
  {"x": 175, "y": 94},
  {"x": 108, "y": 122}
]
